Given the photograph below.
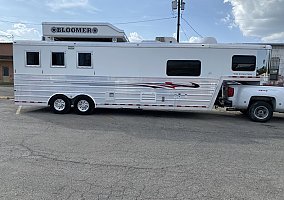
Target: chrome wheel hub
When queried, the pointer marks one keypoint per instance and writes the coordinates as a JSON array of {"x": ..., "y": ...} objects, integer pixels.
[
  {"x": 83, "y": 105},
  {"x": 261, "y": 112},
  {"x": 59, "y": 104}
]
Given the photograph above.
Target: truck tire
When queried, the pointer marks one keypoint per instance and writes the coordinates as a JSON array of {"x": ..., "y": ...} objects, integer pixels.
[
  {"x": 260, "y": 111},
  {"x": 60, "y": 104},
  {"x": 83, "y": 105}
]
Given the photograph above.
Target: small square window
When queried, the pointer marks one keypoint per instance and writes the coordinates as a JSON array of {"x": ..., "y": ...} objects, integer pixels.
[
  {"x": 57, "y": 59},
  {"x": 85, "y": 60},
  {"x": 32, "y": 58}
]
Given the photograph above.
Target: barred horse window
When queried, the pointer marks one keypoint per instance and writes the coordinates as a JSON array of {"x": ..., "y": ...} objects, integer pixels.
[
  {"x": 57, "y": 59},
  {"x": 32, "y": 59},
  {"x": 84, "y": 60}
]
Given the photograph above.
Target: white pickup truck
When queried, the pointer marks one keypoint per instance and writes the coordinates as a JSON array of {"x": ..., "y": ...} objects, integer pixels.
[{"x": 258, "y": 102}]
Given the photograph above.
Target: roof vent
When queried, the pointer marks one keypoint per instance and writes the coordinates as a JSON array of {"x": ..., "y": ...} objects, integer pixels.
[{"x": 166, "y": 39}]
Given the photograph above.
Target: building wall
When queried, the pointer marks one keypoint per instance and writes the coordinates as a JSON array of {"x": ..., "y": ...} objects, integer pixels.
[
  {"x": 6, "y": 49},
  {"x": 6, "y": 63}
]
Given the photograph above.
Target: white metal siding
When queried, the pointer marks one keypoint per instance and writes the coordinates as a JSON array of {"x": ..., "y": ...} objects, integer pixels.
[{"x": 37, "y": 89}]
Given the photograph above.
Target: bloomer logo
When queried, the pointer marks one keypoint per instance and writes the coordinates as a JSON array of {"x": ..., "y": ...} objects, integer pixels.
[{"x": 93, "y": 30}]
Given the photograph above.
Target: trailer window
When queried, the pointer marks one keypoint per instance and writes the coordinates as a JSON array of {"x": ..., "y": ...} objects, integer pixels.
[
  {"x": 84, "y": 60},
  {"x": 32, "y": 59},
  {"x": 183, "y": 68},
  {"x": 243, "y": 63},
  {"x": 57, "y": 59}
]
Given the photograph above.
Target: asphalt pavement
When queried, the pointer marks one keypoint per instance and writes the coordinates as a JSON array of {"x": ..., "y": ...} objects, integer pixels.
[
  {"x": 6, "y": 92},
  {"x": 134, "y": 154}
]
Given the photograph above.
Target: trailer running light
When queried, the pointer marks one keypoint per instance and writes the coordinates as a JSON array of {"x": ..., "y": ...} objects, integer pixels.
[{"x": 231, "y": 92}]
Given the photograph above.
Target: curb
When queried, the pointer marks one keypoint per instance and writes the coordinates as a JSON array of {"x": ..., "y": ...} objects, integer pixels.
[{"x": 6, "y": 97}]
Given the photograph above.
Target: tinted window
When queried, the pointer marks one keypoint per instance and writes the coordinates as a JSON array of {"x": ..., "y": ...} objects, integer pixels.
[
  {"x": 58, "y": 59},
  {"x": 183, "y": 68},
  {"x": 84, "y": 60},
  {"x": 243, "y": 63},
  {"x": 32, "y": 58}
]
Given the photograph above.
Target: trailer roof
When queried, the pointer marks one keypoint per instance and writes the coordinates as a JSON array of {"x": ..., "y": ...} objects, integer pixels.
[{"x": 146, "y": 45}]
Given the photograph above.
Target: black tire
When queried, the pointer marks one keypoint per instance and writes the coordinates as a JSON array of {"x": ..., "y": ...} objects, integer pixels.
[
  {"x": 60, "y": 104},
  {"x": 83, "y": 105},
  {"x": 260, "y": 111}
]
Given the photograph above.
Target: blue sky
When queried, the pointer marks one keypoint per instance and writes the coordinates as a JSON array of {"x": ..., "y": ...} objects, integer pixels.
[{"x": 229, "y": 21}]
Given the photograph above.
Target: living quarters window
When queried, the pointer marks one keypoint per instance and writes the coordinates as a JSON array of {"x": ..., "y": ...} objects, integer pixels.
[
  {"x": 32, "y": 59},
  {"x": 183, "y": 67},
  {"x": 243, "y": 63},
  {"x": 84, "y": 60},
  {"x": 57, "y": 59}
]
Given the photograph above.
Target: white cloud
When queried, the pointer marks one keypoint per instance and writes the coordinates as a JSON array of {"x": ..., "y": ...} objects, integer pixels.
[
  {"x": 58, "y": 5},
  {"x": 20, "y": 31},
  {"x": 195, "y": 39},
  {"x": 274, "y": 37},
  {"x": 229, "y": 20},
  {"x": 135, "y": 37},
  {"x": 4, "y": 36},
  {"x": 259, "y": 18},
  {"x": 204, "y": 40}
]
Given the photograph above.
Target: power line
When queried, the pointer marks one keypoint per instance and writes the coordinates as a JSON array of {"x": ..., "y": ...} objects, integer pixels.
[
  {"x": 150, "y": 20},
  {"x": 131, "y": 22},
  {"x": 191, "y": 27},
  {"x": 184, "y": 33}
]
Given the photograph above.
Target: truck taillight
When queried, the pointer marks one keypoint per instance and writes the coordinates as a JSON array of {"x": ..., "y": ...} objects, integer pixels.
[{"x": 231, "y": 92}]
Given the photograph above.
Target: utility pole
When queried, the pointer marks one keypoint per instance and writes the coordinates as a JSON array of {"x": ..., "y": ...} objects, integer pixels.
[{"x": 178, "y": 5}]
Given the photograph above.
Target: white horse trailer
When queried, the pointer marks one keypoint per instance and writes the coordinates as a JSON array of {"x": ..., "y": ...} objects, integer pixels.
[{"x": 168, "y": 76}]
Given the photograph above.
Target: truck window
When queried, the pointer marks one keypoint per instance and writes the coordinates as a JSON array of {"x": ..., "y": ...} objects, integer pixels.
[
  {"x": 57, "y": 59},
  {"x": 183, "y": 67},
  {"x": 32, "y": 59},
  {"x": 243, "y": 63},
  {"x": 84, "y": 60}
]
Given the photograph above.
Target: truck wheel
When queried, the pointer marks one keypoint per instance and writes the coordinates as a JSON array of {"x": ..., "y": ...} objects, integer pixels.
[
  {"x": 260, "y": 111},
  {"x": 60, "y": 104},
  {"x": 83, "y": 105}
]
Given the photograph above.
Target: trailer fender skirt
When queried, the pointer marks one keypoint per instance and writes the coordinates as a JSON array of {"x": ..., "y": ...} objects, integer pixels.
[{"x": 149, "y": 105}]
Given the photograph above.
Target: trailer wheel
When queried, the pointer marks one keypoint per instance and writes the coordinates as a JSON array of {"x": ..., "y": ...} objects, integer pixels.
[
  {"x": 260, "y": 111},
  {"x": 83, "y": 105},
  {"x": 60, "y": 104}
]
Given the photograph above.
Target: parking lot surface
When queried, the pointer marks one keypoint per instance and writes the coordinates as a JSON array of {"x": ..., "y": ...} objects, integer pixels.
[
  {"x": 133, "y": 154},
  {"x": 6, "y": 91}
]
